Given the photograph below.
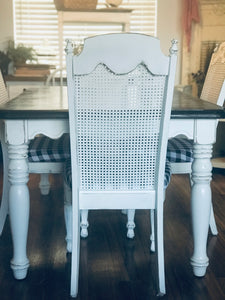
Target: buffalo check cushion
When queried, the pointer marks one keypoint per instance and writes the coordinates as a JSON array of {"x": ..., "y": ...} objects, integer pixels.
[
  {"x": 180, "y": 150},
  {"x": 68, "y": 173},
  {"x": 45, "y": 149}
]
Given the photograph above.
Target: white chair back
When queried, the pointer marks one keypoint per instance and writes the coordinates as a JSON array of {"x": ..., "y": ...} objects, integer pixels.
[
  {"x": 3, "y": 91},
  {"x": 120, "y": 97},
  {"x": 215, "y": 77}
]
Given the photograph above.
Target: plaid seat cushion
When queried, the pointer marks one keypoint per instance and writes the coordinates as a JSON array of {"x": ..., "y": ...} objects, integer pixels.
[
  {"x": 180, "y": 150},
  {"x": 44, "y": 149},
  {"x": 68, "y": 173},
  {"x": 167, "y": 174}
]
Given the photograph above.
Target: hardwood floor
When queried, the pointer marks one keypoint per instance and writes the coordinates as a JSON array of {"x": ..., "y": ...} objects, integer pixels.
[{"x": 113, "y": 267}]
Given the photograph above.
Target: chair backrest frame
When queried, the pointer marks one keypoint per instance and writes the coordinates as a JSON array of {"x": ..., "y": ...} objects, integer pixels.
[{"x": 122, "y": 53}]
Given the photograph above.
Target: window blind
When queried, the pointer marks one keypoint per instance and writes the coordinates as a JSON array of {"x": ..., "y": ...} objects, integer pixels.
[{"x": 36, "y": 25}]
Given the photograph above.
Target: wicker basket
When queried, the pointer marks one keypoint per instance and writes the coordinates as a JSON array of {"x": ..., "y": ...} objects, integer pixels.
[
  {"x": 75, "y": 4},
  {"x": 114, "y": 3}
]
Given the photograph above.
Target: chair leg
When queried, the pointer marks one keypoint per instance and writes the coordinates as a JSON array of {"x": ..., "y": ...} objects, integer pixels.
[
  {"x": 130, "y": 223},
  {"x": 84, "y": 223},
  {"x": 4, "y": 209},
  {"x": 152, "y": 236},
  {"x": 160, "y": 252},
  {"x": 68, "y": 216},
  {"x": 75, "y": 258},
  {"x": 44, "y": 184},
  {"x": 212, "y": 222}
]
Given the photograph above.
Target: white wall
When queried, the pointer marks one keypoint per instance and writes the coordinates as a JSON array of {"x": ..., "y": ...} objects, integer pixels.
[
  {"x": 168, "y": 26},
  {"x": 6, "y": 23}
]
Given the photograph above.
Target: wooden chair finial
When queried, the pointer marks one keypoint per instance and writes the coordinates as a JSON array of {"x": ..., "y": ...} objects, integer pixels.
[
  {"x": 69, "y": 46},
  {"x": 174, "y": 47}
]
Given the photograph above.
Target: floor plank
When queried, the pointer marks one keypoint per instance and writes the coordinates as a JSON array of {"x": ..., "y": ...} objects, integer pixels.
[{"x": 113, "y": 267}]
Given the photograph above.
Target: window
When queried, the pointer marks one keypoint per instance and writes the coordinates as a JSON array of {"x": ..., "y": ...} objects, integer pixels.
[{"x": 36, "y": 25}]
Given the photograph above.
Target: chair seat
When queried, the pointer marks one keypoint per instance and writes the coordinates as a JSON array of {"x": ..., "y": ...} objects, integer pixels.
[
  {"x": 180, "y": 150},
  {"x": 45, "y": 149},
  {"x": 68, "y": 173}
]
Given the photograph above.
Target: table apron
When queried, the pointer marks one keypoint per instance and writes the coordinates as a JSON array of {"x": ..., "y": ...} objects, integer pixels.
[
  {"x": 203, "y": 131},
  {"x": 21, "y": 131}
]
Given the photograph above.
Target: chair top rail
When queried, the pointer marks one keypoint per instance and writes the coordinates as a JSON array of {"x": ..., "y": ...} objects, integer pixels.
[{"x": 116, "y": 50}]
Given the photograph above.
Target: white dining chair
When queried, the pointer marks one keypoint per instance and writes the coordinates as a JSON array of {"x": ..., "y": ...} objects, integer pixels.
[
  {"x": 56, "y": 77},
  {"x": 46, "y": 156},
  {"x": 4, "y": 202},
  {"x": 120, "y": 91},
  {"x": 180, "y": 149},
  {"x": 180, "y": 152}
]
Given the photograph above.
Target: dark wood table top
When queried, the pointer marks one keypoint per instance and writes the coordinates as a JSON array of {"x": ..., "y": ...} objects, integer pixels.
[
  {"x": 52, "y": 103},
  {"x": 188, "y": 107},
  {"x": 41, "y": 78}
]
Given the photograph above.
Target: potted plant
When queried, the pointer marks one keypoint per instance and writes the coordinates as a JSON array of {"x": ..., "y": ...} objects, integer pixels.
[
  {"x": 24, "y": 61},
  {"x": 4, "y": 62},
  {"x": 199, "y": 79},
  {"x": 20, "y": 54}
]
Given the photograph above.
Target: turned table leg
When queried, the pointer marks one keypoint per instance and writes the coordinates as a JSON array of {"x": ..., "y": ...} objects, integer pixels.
[
  {"x": 19, "y": 207},
  {"x": 201, "y": 205}
]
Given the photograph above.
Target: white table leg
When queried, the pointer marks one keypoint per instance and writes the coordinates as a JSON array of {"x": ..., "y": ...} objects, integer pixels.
[
  {"x": 200, "y": 205},
  {"x": 19, "y": 207}
]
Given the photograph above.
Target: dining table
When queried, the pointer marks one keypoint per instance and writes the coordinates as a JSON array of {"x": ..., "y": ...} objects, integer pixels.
[{"x": 44, "y": 110}]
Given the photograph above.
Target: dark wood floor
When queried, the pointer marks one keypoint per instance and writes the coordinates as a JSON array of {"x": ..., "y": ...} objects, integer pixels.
[{"x": 113, "y": 267}]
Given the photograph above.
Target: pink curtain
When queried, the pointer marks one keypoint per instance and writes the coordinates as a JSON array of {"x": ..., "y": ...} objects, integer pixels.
[{"x": 190, "y": 15}]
